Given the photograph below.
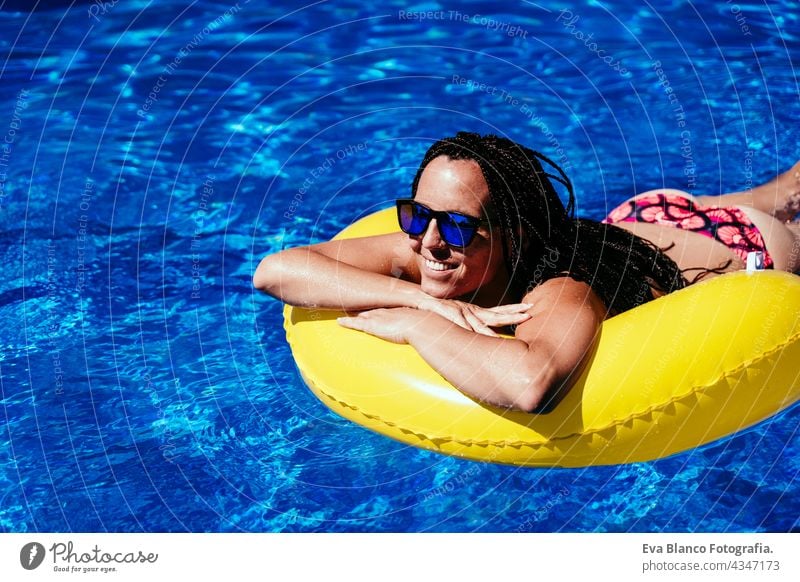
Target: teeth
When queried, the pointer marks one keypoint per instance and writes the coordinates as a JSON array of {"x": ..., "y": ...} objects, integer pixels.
[{"x": 437, "y": 266}]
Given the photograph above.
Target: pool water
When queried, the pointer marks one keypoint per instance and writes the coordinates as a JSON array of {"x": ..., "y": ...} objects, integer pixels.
[{"x": 154, "y": 153}]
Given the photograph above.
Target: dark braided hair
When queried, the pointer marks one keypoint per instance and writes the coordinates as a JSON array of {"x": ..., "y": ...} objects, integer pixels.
[{"x": 542, "y": 239}]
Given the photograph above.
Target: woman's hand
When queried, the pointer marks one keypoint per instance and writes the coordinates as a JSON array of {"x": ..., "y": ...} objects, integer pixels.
[
  {"x": 477, "y": 319},
  {"x": 394, "y": 324},
  {"x": 391, "y": 324}
]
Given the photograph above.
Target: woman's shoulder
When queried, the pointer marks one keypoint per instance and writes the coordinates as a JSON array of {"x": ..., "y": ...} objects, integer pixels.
[{"x": 564, "y": 292}]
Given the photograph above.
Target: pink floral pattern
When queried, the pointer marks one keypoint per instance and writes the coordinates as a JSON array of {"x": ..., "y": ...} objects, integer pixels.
[
  {"x": 620, "y": 213},
  {"x": 730, "y": 226}
]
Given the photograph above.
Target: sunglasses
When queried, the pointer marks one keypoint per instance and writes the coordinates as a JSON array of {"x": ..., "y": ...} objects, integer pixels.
[{"x": 457, "y": 230}]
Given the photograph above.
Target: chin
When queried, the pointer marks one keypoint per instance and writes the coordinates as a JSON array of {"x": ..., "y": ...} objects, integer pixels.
[
  {"x": 444, "y": 289},
  {"x": 439, "y": 290}
]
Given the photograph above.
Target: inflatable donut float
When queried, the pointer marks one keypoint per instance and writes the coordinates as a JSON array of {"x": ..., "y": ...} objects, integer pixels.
[{"x": 676, "y": 373}]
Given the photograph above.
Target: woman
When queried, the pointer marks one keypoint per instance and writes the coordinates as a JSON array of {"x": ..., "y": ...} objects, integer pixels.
[{"x": 487, "y": 245}]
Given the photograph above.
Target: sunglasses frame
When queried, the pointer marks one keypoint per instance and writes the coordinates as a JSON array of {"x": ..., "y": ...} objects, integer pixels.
[{"x": 470, "y": 222}]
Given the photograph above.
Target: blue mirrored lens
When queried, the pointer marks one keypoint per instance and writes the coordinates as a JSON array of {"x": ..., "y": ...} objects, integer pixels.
[
  {"x": 456, "y": 230},
  {"x": 454, "y": 234},
  {"x": 414, "y": 219}
]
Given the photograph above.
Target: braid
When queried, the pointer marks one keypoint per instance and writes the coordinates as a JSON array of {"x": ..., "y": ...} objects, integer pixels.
[{"x": 542, "y": 238}]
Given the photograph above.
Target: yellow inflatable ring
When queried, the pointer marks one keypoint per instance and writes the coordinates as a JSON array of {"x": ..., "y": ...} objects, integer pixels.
[{"x": 668, "y": 376}]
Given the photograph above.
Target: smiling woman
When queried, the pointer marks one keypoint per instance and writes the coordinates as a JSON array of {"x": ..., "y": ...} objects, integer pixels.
[
  {"x": 487, "y": 245},
  {"x": 468, "y": 261}
]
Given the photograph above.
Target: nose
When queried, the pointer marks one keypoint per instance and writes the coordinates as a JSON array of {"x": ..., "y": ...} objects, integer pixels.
[{"x": 431, "y": 237}]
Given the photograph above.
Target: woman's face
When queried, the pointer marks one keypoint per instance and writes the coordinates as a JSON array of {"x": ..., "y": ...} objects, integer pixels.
[{"x": 447, "y": 271}]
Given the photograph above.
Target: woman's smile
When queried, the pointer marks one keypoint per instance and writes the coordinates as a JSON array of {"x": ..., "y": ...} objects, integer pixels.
[{"x": 438, "y": 267}]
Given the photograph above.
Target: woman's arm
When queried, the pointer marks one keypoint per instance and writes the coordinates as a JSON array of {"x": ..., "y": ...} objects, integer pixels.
[
  {"x": 523, "y": 373},
  {"x": 353, "y": 274},
  {"x": 364, "y": 274}
]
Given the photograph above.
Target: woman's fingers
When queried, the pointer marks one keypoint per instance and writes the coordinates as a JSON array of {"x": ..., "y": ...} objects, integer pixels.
[
  {"x": 459, "y": 318},
  {"x": 389, "y": 324},
  {"x": 350, "y": 322},
  {"x": 477, "y": 325},
  {"x": 510, "y": 308},
  {"x": 452, "y": 312},
  {"x": 479, "y": 319},
  {"x": 495, "y": 319}
]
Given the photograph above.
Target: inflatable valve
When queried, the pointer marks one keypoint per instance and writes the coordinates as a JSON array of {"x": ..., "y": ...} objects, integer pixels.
[{"x": 755, "y": 261}]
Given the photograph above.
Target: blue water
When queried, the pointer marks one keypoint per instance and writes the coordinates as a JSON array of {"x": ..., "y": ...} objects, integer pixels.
[{"x": 148, "y": 164}]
